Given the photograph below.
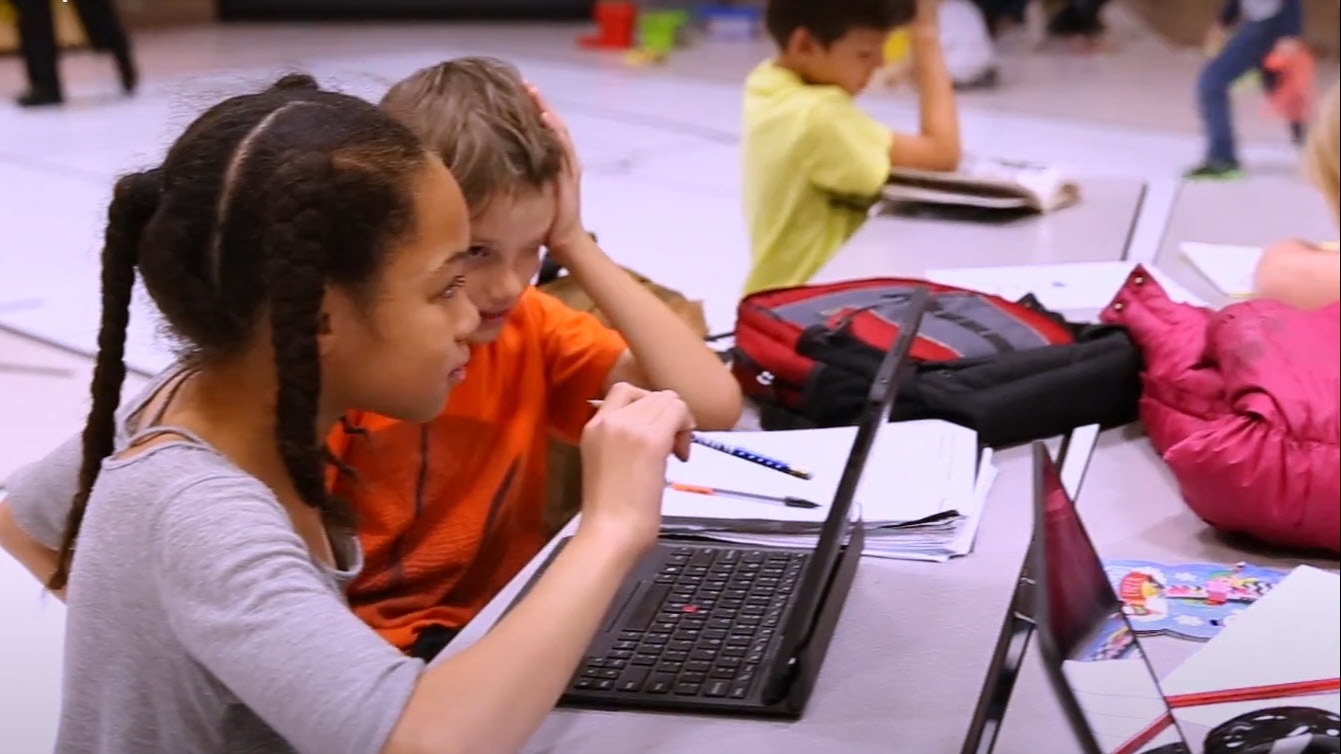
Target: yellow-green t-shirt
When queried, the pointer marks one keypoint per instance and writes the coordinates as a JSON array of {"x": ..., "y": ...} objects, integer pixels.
[{"x": 812, "y": 162}]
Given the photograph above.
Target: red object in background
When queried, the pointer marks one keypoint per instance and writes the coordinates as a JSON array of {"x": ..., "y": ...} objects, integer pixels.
[
  {"x": 1292, "y": 97},
  {"x": 615, "y": 20}
]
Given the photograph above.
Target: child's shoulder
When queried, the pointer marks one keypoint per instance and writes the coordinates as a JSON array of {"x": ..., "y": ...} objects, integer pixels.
[
  {"x": 185, "y": 479},
  {"x": 803, "y": 107}
]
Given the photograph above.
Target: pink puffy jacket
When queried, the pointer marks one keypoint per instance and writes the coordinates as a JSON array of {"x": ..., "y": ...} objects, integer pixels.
[{"x": 1244, "y": 404}]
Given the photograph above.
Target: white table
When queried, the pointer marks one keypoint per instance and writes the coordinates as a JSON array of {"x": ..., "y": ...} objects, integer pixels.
[
  {"x": 912, "y": 647},
  {"x": 1254, "y": 212},
  {"x": 1097, "y": 229}
]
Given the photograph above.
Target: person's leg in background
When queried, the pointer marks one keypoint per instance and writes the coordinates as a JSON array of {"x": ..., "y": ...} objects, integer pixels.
[
  {"x": 1243, "y": 51},
  {"x": 37, "y": 38},
  {"x": 1270, "y": 79},
  {"x": 37, "y": 41},
  {"x": 103, "y": 27},
  {"x": 1080, "y": 21},
  {"x": 1289, "y": 65}
]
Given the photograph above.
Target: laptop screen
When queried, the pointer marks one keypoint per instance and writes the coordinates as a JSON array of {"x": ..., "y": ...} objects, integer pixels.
[
  {"x": 838, "y": 523},
  {"x": 1104, "y": 681}
]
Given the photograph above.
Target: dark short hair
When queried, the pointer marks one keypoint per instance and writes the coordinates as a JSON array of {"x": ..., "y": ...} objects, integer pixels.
[{"x": 828, "y": 20}]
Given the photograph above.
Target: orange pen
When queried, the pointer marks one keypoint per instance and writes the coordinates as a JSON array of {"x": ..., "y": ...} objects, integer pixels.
[{"x": 698, "y": 489}]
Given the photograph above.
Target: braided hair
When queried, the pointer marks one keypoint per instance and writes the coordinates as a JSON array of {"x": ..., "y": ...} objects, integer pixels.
[{"x": 264, "y": 201}]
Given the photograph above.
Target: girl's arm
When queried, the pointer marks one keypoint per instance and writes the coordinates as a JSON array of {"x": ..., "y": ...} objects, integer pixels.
[
  {"x": 491, "y": 696},
  {"x": 1299, "y": 274},
  {"x": 507, "y": 682},
  {"x": 39, "y": 559}
]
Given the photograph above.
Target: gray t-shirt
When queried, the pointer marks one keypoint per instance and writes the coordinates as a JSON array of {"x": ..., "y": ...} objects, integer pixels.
[{"x": 198, "y": 621}]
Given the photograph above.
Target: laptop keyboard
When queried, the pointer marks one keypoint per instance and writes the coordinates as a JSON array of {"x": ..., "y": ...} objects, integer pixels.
[{"x": 702, "y": 628}]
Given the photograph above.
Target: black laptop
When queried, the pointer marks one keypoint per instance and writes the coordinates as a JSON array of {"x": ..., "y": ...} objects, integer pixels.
[
  {"x": 1102, "y": 678},
  {"x": 717, "y": 628}
]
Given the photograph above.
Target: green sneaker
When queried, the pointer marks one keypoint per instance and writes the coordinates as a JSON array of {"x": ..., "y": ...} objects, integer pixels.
[{"x": 1212, "y": 171}]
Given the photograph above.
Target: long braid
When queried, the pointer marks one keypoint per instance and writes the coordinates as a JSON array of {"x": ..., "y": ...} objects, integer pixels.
[
  {"x": 296, "y": 281},
  {"x": 134, "y": 201},
  {"x": 247, "y": 219}
]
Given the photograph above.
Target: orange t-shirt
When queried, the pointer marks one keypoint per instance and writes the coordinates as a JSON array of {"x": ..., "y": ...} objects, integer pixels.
[{"x": 450, "y": 511}]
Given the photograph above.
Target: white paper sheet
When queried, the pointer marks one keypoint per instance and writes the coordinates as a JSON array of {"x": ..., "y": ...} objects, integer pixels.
[
  {"x": 1229, "y": 268},
  {"x": 1061, "y": 287},
  {"x": 1288, "y": 635}
]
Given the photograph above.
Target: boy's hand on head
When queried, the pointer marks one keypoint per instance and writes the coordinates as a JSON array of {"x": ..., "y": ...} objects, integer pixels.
[
  {"x": 567, "y": 228},
  {"x": 927, "y": 19}
]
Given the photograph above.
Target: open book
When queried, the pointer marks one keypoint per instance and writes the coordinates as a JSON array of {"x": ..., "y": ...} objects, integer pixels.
[{"x": 985, "y": 182}]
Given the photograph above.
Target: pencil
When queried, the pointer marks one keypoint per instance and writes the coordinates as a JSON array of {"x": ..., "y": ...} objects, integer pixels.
[
  {"x": 1255, "y": 693},
  {"x": 741, "y": 453}
]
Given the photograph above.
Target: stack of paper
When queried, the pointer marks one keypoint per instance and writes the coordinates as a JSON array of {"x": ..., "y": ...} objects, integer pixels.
[{"x": 920, "y": 496}]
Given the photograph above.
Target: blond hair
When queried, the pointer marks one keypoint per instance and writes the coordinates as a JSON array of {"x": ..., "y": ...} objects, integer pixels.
[
  {"x": 1322, "y": 154},
  {"x": 476, "y": 114}
]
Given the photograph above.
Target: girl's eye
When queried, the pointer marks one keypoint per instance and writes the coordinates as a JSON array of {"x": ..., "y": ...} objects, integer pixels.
[
  {"x": 453, "y": 287},
  {"x": 478, "y": 252}
]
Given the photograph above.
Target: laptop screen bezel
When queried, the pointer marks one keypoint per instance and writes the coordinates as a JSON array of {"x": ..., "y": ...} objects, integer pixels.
[
  {"x": 1045, "y": 473},
  {"x": 879, "y": 400}
]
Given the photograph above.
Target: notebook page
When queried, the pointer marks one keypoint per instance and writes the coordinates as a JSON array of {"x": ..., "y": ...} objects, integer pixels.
[{"x": 1287, "y": 635}]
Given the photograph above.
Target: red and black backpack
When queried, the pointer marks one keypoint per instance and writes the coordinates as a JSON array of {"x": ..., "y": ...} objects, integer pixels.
[{"x": 1013, "y": 371}]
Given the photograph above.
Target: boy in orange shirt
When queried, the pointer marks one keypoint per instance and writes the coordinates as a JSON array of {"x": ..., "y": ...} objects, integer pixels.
[{"x": 450, "y": 511}]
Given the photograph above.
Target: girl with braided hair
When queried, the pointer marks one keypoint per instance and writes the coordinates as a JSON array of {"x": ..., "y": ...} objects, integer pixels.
[{"x": 307, "y": 251}]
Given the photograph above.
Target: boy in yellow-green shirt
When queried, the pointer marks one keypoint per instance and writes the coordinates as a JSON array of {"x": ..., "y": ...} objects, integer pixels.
[{"x": 812, "y": 159}]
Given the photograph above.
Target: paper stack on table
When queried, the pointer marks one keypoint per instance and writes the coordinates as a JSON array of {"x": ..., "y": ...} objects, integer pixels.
[{"x": 920, "y": 498}]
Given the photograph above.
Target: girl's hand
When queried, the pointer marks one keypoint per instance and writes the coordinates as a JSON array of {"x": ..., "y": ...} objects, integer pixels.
[{"x": 625, "y": 448}]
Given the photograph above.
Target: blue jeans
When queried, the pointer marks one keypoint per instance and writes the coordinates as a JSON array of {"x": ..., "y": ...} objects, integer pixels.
[{"x": 1247, "y": 49}]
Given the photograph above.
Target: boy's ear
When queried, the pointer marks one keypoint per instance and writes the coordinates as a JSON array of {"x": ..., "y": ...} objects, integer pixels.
[{"x": 802, "y": 42}]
